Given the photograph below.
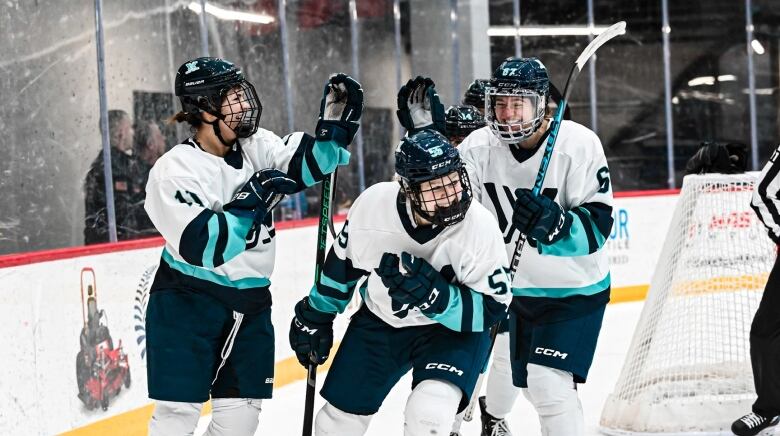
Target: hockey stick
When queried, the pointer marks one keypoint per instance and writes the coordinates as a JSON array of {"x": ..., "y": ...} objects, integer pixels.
[
  {"x": 614, "y": 30},
  {"x": 330, "y": 214},
  {"x": 322, "y": 242}
]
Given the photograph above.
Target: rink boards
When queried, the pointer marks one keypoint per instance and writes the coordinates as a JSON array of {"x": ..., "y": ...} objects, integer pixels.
[{"x": 41, "y": 306}]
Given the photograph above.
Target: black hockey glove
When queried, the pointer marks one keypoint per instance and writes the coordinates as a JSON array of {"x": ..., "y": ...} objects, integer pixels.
[
  {"x": 260, "y": 194},
  {"x": 539, "y": 217},
  {"x": 716, "y": 158},
  {"x": 311, "y": 334},
  {"x": 419, "y": 106},
  {"x": 340, "y": 110},
  {"x": 421, "y": 286}
]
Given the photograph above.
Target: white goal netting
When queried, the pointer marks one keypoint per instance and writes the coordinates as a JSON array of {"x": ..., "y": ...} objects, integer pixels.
[{"x": 688, "y": 367}]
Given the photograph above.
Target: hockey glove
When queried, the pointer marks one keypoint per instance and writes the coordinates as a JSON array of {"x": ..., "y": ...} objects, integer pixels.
[
  {"x": 539, "y": 217},
  {"x": 260, "y": 194},
  {"x": 419, "y": 106},
  {"x": 421, "y": 286},
  {"x": 340, "y": 110},
  {"x": 311, "y": 333},
  {"x": 716, "y": 158}
]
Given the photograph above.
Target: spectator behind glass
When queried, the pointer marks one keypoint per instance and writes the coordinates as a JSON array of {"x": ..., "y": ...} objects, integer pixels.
[
  {"x": 123, "y": 168},
  {"x": 149, "y": 146}
]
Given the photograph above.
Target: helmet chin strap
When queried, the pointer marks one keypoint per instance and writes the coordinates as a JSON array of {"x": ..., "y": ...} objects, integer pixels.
[{"x": 215, "y": 125}]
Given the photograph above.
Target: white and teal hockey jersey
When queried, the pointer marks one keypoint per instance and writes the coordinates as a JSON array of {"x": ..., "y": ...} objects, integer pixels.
[
  {"x": 577, "y": 179},
  {"x": 468, "y": 254},
  {"x": 212, "y": 251}
]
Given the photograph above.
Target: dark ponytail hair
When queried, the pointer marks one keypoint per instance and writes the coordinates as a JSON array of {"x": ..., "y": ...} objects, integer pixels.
[{"x": 190, "y": 118}]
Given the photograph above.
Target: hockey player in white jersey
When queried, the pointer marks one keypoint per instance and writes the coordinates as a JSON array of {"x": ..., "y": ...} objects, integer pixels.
[
  {"x": 562, "y": 284},
  {"x": 434, "y": 281},
  {"x": 208, "y": 321},
  {"x": 500, "y": 392}
]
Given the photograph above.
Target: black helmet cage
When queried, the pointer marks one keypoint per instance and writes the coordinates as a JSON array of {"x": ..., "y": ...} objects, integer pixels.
[
  {"x": 206, "y": 92},
  {"x": 460, "y": 121},
  {"x": 427, "y": 158},
  {"x": 451, "y": 197}
]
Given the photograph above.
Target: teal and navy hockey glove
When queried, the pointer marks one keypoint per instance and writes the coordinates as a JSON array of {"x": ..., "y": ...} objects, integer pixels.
[
  {"x": 419, "y": 107},
  {"x": 421, "y": 286},
  {"x": 340, "y": 110},
  {"x": 539, "y": 217},
  {"x": 311, "y": 333},
  {"x": 260, "y": 194}
]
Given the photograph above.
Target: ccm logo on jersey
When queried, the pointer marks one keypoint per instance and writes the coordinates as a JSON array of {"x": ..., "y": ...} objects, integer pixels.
[
  {"x": 444, "y": 367},
  {"x": 550, "y": 352}
]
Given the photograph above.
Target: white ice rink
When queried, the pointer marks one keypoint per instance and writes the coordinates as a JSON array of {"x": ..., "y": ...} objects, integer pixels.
[{"x": 283, "y": 414}]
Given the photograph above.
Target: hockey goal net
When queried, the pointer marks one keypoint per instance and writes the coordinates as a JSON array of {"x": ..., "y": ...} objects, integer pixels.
[{"x": 688, "y": 367}]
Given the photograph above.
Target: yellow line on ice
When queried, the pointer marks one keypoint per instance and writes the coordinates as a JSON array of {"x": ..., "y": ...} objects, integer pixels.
[{"x": 287, "y": 371}]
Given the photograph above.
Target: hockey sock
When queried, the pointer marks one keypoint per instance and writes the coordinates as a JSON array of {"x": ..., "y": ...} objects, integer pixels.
[
  {"x": 173, "y": 417},
  {"x": 553, "y": 394},
  {"x": 431, "y": 408},
  {"x": 500, "y": 394},
  {"x": 331, "y": 421},
  {"x": 234, "y": 416}
]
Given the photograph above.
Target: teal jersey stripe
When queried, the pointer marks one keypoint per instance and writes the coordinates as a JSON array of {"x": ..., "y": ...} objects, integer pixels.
[
  {"x": 576, "y": 242},
  {"x": 478, "y": 319},
  {"x": 452, "y": 317},
  {"x": 343, "y": 287},
  {"x": 204, "y": 274},
  {"x": 326, "y": 304},
  {"x": 208, "y": 252},
  {"x": 238, "y": 228},
  {"x": 328, "y": 155},
  {"x": 564, "y": 292}
]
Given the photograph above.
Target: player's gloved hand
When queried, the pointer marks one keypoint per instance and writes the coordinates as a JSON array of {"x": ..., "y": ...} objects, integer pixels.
[
  {"x": 311, "y": 333},
  {"x": 419, "y": 106},
  {"x": 260, "y": 194},
  {"x": 340, "y": 110},
  {"x": 539, "y": 217},
  {"x": 420, "y": 286}
]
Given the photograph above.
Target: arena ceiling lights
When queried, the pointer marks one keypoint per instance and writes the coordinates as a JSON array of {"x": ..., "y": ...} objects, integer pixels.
[
  {"x": 229, "y": 14},
  {"x": 545, "y": 30}
]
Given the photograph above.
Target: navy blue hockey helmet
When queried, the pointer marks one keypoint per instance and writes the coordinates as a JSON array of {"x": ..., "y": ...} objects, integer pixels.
[
  {"x": 433, "y": 177},
  {"x": 475, "y": 94},
  {"x": 460, "y": 121},
  {"x": 202, "y": 84},
  {"x": 516, "y": 99}
]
